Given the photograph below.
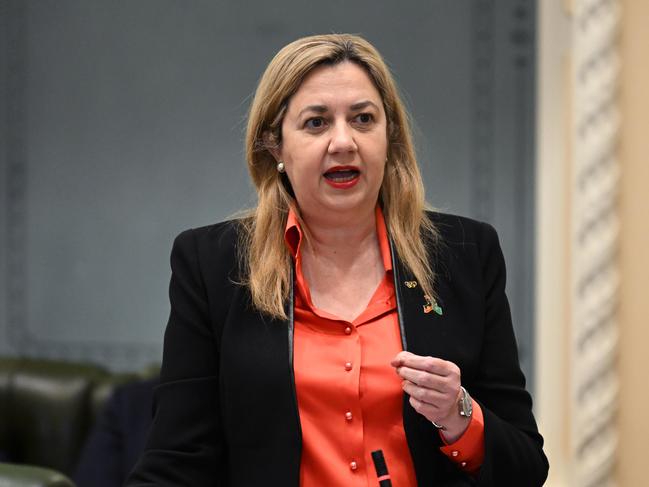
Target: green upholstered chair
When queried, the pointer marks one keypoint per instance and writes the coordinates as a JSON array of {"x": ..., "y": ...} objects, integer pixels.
[
  {"x": 47, "y": 408},
  {"x": 13, "y": 475}
]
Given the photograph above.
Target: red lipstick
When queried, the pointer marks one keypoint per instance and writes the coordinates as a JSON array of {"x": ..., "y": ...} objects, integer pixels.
[{"x": 342, "y": 177}]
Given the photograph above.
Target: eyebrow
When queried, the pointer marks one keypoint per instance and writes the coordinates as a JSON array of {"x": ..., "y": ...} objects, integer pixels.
[
  {"x": 313, "y": 108},
  {"x": 323, "y": 108},
  {"x": 363, "y": 104}
]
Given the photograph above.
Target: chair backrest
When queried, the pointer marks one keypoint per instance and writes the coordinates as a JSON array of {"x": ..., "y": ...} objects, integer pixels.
[{"x": 47, "y": 408}]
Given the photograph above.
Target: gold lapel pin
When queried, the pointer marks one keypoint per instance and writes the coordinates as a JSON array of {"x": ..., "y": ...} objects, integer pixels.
[{"x": 410, "y": 284}]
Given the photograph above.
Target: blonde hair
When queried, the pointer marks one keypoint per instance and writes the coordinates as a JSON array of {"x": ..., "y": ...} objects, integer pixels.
[{"x": 266, "y": 259}]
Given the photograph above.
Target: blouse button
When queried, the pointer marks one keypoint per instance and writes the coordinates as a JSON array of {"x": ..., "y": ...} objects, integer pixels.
[
  {"x": 348, "y": 331},
  {"x": 353, "y": 465},
  {"x": 348, "y": 366},
  {"x": 455, "y": 453},
  {"x": 463, "y": 464},
  {"x": 348, "y": 416}
]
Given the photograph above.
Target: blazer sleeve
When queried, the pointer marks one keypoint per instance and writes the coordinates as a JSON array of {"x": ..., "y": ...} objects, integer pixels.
[
  {"x": 185, "y": 444},
  {"x": 513, "y": 446}
]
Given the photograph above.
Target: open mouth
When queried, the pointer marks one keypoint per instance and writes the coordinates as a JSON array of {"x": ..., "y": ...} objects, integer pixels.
[{"x": 342, "y": 174}]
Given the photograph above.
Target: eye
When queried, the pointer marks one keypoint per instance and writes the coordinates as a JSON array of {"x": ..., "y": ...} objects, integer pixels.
[
  {"x": 314, "y": 123},
  {"x": 364, "y": 118}
]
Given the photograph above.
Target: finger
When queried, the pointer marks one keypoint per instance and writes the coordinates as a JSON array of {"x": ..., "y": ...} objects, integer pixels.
[
  {"x": 431, "y": 364},
  {"x": 420, "y": 378},
  {"x": 429, "y": 396},
  {"x": 400, "y": 357},
  {"x": 444, "y": 384},
  {"x": 396, "y": 361}
]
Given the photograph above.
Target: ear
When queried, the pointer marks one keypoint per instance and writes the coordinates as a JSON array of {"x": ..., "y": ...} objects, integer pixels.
[{"x": 271, "y": 145}]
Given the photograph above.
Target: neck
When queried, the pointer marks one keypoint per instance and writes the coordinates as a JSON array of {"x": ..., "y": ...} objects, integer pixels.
[{"x": 340, "y": 234}]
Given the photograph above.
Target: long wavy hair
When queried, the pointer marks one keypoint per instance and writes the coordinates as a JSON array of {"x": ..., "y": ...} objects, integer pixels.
[{"x": 266, "y": 259}]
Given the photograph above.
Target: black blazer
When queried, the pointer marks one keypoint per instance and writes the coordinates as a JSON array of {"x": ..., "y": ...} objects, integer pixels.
[{"x": 226, "y": 414}]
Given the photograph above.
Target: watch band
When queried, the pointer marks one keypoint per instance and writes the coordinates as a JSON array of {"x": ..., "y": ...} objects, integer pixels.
[{"x": 465, "y": 403}]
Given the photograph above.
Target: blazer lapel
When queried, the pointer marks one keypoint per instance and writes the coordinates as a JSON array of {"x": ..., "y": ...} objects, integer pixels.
[{"x": 419, "y": 327}]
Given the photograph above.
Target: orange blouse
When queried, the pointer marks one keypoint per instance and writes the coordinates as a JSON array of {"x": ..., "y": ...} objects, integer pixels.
[{"x": 349, "y": 397}]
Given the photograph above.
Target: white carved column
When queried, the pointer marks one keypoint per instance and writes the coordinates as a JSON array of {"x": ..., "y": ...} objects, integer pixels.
[{"x": 593, "y": 240}]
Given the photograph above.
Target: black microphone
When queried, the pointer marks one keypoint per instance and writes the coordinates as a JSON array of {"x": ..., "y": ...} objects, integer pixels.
[{"x": 381, "y": 469}]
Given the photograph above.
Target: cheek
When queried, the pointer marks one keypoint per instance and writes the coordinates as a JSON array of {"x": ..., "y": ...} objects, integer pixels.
[
  {"x": 303, "y": 161},
  {"x": 379, "y": 162},
  {"x": 299, "y": 150},
  {"x": 380, "y": 174},
  {"x": 304, "y": 177}
]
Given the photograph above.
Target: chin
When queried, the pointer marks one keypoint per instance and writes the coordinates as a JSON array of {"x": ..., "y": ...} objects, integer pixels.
[{"x": 350, "y": 204}]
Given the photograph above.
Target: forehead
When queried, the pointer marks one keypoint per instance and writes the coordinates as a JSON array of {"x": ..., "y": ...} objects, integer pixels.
[{"x": 342, "y": 83}]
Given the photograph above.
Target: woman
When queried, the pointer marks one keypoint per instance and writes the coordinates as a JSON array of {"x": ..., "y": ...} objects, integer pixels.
[{"x": 339, "y": 319}]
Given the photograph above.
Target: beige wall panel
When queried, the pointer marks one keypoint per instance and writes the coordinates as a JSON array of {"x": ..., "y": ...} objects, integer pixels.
[
  {"x": 634, "y": 211},
  {"x": 552, "y": 243}
]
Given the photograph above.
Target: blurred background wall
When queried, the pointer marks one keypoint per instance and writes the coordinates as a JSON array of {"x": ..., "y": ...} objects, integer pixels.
[{"x": 123, "y": 125}]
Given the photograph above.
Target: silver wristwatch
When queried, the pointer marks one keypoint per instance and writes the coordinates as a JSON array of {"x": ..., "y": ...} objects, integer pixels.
[
  {"x": 464, "y": 407},
  {"x": 465, "y": 404}
]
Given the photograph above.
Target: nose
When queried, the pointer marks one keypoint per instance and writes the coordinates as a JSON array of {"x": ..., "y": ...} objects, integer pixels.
[{"x": 342, "y": 139}]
